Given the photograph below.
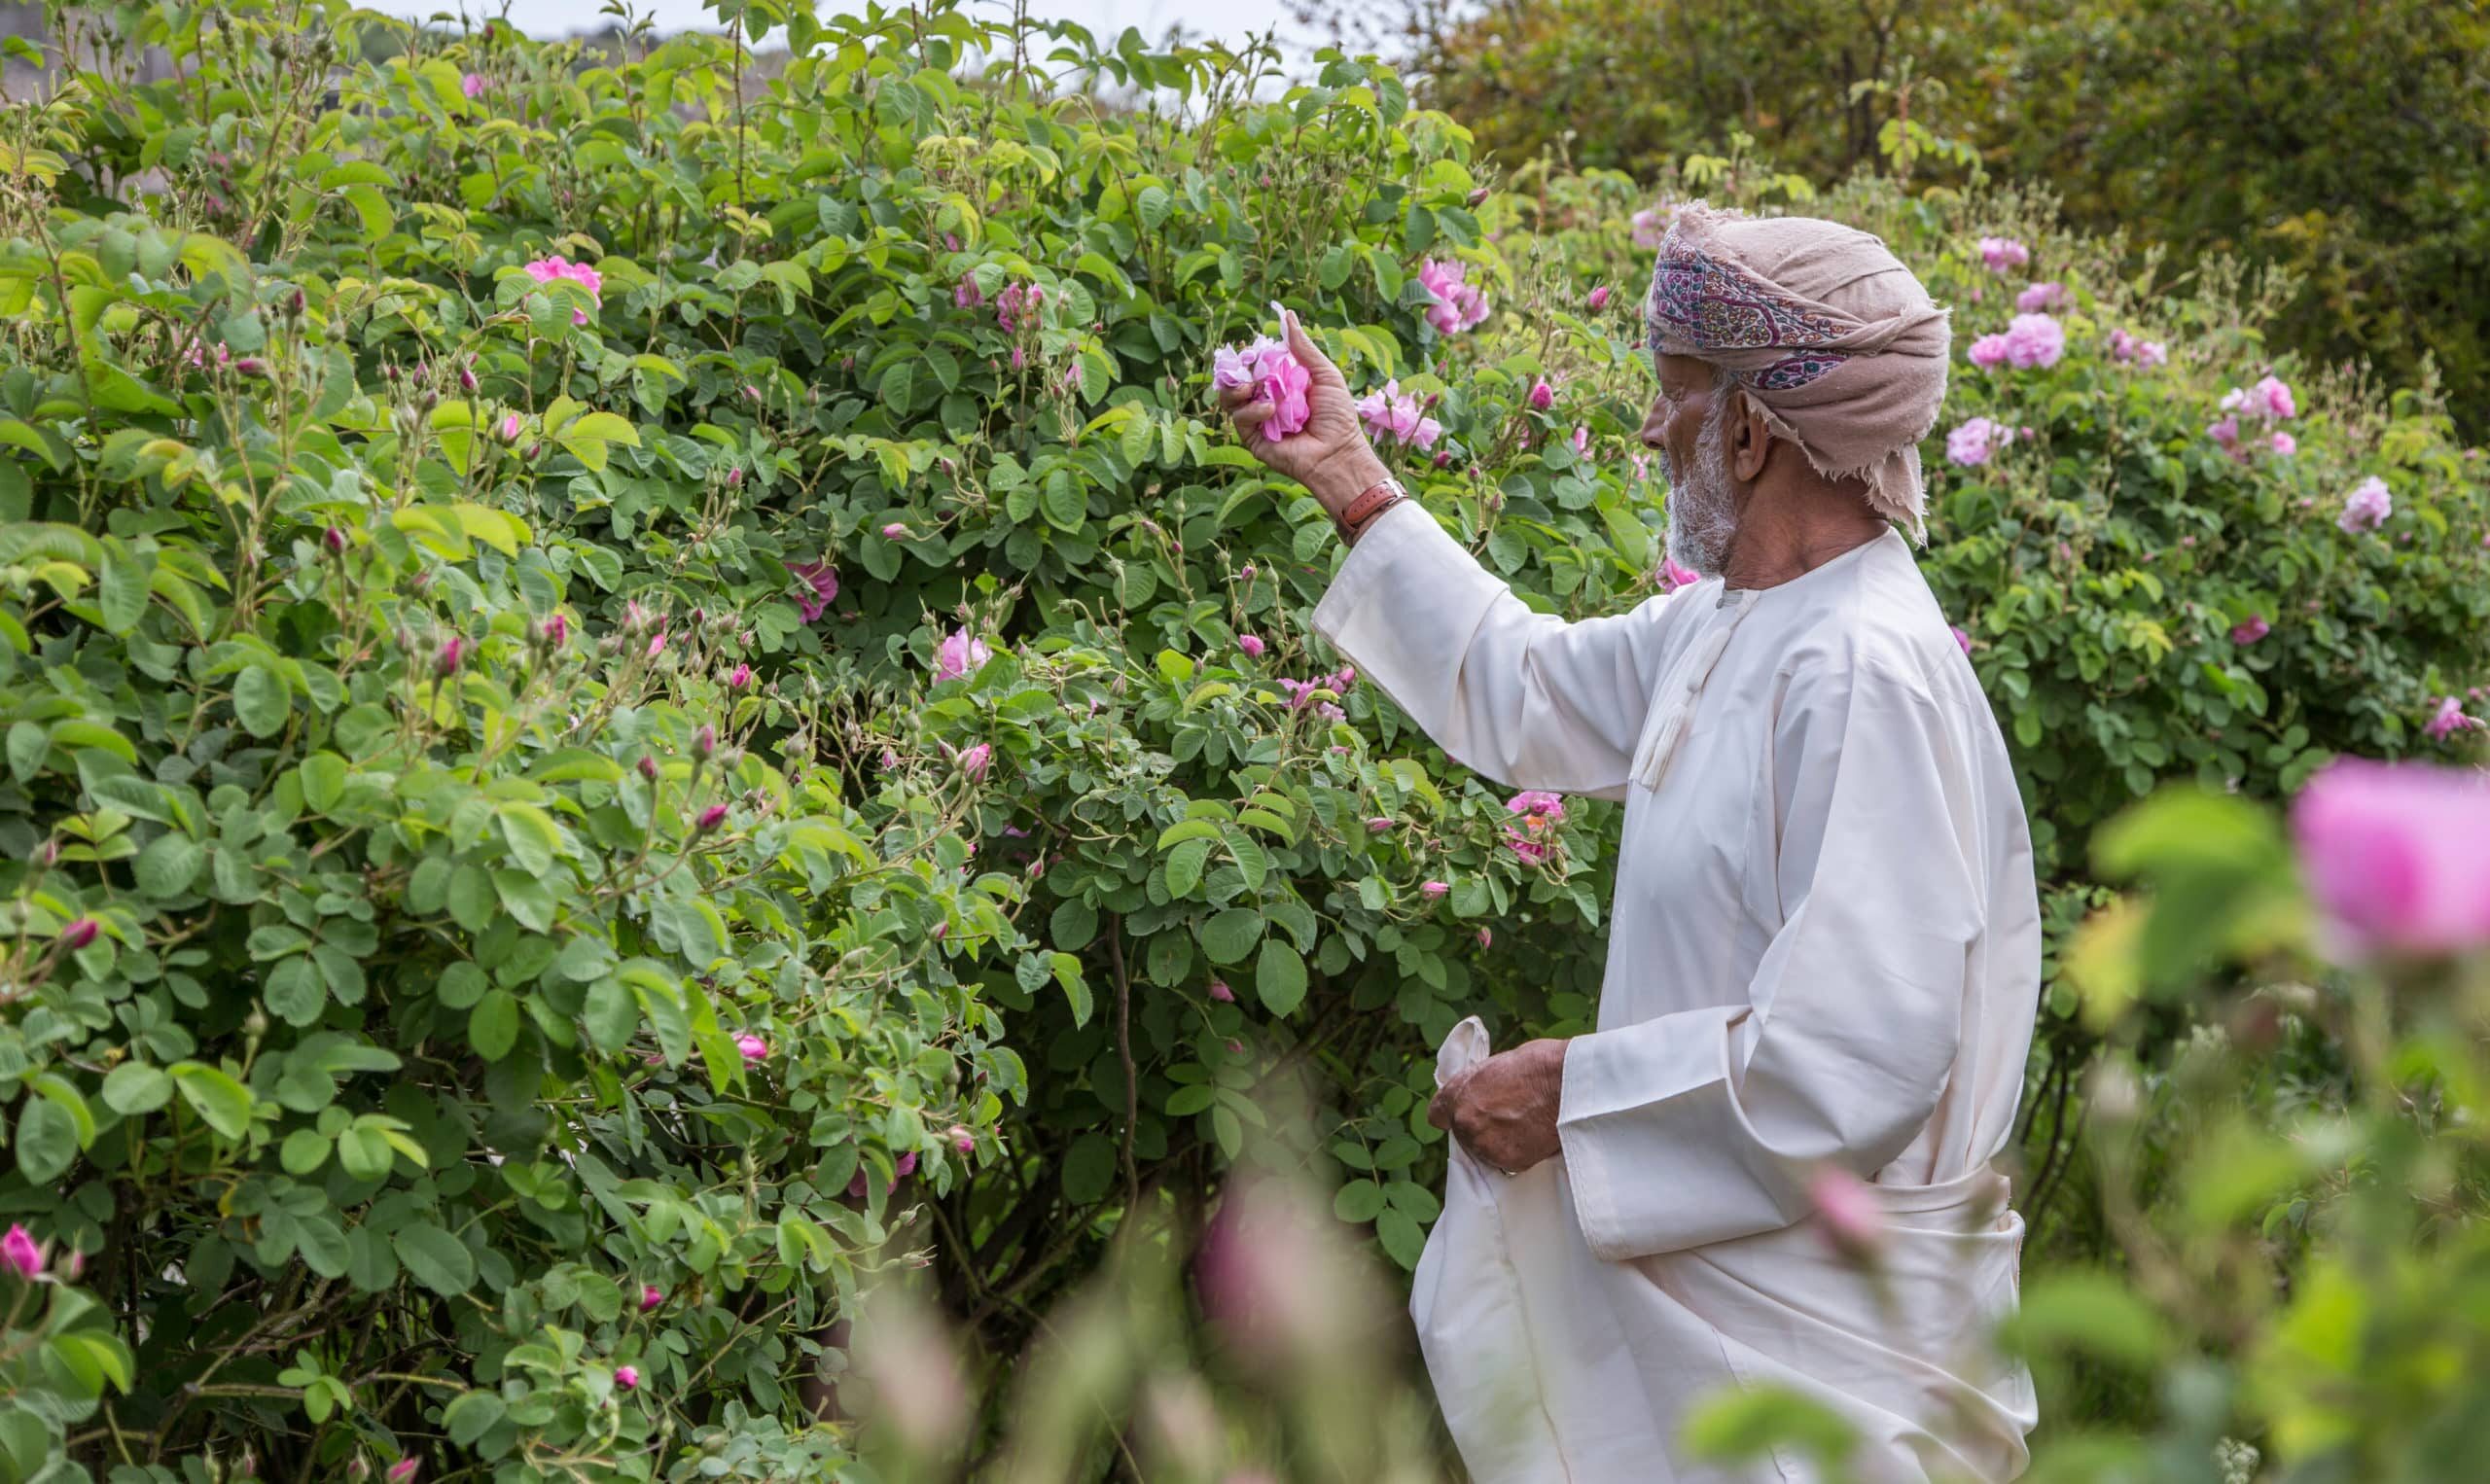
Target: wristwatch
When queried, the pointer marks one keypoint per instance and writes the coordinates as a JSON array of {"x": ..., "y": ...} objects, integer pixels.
[{"x": 1362, "y": 511}]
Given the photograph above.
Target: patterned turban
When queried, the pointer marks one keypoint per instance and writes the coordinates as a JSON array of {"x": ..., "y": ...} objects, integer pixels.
[{"x": 1834, "y": 340}]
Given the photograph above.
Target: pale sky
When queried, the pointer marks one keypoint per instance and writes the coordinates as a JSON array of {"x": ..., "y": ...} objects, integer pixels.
[{"x": 1229, "y": 21}]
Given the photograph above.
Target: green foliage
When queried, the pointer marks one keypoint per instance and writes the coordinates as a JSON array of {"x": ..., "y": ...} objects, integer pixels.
[
  {"x": 426, "y": 675},
  {"x": 2343, "y": 142}
]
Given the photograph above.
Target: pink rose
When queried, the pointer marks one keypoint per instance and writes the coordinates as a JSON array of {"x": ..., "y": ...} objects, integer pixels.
[
  {"x": 79, "y": 934},
  {"x": 709, "y": 819},
  {"x": 627, "y": 1377},
  {"x": 2040, "y": 297},
  {"x": 1251, "y": 645},
  {"x": 1435, "y": 888},
  {"x": 651, "y": 1295},
  {"x": 2035, "y": 341},
  {"x": 1651, "y": 225},
  {"x": 1961, "y": 636},
  {"x": 821, "y": 585},
  {"x": 2284, "y": 443},
  {"x": 2248, "y": 632},
  {"x": 2003, "y": 253},
  {"x": 1598, "y": 299},
  {"x": 961, "y": 1139},
  {"x": 754, "y": 1050},
  {"x": 1972, "y": 443},
  {"x": 472, "y": 85},
  {"x": 1537, "y": 806},
  {"x": 959, "y": 655},
  {"x": 1541, "y": 395},
  {"x": 509, "y": 427},
  {"x": 403, "y": 1472},
  {"x": 1220, "y": 992},
  {"x": 973, "y": 761},
  {"x": 656, "y": 644},
  {"x": 548, "y": 269},
  {"x": 1486, "y": 939},
  {"x": 1673, "y": 577},
  {"x": 2448, "y": 720},
  {"x": 2271, "y": 399},
  {"x": 2398, "y": 857},
  {"x": 739, "y": 677},
  {"x": 1271, "y": 369},
  {"x": 1459, "y": 305},
  {"x": 1989, "y": 351},
  {"x": 2367, "y": 507},
  {"x": 897, "y": 530}
]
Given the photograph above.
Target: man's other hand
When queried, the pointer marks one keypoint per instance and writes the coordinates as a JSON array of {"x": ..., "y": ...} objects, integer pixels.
[{"x": 1504, "y": 1110}]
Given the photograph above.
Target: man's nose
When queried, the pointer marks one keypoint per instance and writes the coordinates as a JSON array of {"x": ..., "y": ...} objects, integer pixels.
[{"x": 1654, "y": 433}]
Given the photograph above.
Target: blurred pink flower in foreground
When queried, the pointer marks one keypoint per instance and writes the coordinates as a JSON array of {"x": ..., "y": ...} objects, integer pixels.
[
  {"x": 1847, "y": 1212},
  {"x": 1961, "y": 637},
  {"x": 2041, "y": 296},
  {"x": 2398, "y": 857},
  {"x": 2127, "y": 350},
  {"x": 1649, "y": 225},
  {"x": 2284, "y": 443},
  {"x": 1459, "y": 305},
  {"x": 960, "y": 653},
  {"x": 2254, "y": 630},
  {"x": 1271, "y": 369},
  {"x": 472, "y": 85}
]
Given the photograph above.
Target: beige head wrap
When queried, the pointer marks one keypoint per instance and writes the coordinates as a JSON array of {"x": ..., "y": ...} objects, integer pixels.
[{"x": 1823, "y": 327}]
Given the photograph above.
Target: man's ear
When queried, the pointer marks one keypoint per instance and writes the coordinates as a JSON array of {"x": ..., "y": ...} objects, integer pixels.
[{"x": 1750, "y": 438}]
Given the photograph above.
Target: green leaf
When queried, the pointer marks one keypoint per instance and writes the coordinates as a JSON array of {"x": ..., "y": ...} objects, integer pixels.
[
  {"x": 1088, "y": 1169},
  {"x": 435, "y": 1258},
  {"x": 47, "y": 1140},
  {"x": 533, "y": 839},
  {"x": 135, "y": 1087},
  {"x": 120, "y": 594},
  {"x": 168, "y": 865},
  {"x": 1185, "y": 866},
  {"x": 1279, "y": 977},
  {"x": 899, "y": 383},
  {"x": 492, "y": 1026},
  {"x": 1402, "y": 1239},
  {"x": 294, "y": 991},
  {"x": 472, "y": 1414},
  {"x": 303, "y": 1152},
  {"x": 261, "y": 700},
  {"x": 324, "y": 780},
  {"x": 472, "y": 902},
  {"x": 1231, "y": 934},
  {"x": 1360, "y": 1200},
  {"x": 611, "y": 1014},
  {"x": 224, "y": 1104}
]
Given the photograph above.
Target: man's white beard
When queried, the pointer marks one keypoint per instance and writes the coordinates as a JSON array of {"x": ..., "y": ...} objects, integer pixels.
[{"x": 1702, "y": 519}]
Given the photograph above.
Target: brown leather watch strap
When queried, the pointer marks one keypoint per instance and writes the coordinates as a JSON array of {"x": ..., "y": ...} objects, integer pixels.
[{"x": 1361, "y": 512}]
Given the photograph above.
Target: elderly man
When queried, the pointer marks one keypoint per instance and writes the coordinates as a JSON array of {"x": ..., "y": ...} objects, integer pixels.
[{"x": 1770, "y": 1164}]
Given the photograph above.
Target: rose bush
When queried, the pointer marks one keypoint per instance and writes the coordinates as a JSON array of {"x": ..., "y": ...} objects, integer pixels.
[{"x": 638, "y": 680}]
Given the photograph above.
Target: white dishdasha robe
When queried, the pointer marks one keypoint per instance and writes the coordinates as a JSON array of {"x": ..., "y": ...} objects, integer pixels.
[{"x": 1825, "y": 946}]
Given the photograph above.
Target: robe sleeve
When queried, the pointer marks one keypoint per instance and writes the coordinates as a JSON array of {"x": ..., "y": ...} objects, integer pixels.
[
  {"x": 1523, "y": 697},
  {"x": 1703, "y": 1125}
]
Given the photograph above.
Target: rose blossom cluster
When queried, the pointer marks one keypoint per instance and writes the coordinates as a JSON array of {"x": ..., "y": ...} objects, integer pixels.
[
  {"x": 1394, "y": 413},
  {"x": 2032, "y": 341},
  {"x": 1458, "y": 306},
  {"x": 548, "y": 269},
  {"x": 1537, "y": 813},
  {"x": 1973, "y": 444},
  {"x": 1301, "y": 692},
  {"x": 2004, "y": 253},
  {"x": 2268, "y": 400},
  {"x": 2367, "y": 507},
  {"x": 1271, "y": 369},
  {"x": 2127, "y": 350},
  {"x": 1017, "y": 304},
  {"x": 2042, "y": 296}
]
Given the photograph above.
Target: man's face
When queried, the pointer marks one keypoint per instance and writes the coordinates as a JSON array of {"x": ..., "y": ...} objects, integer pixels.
[{"x": 1688, "y": 427}]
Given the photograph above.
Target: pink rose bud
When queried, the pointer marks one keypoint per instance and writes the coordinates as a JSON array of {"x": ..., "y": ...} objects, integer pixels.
[
  {"x": 651, "y": 1295},
  {"x": 734, "y": 476},
  {"x": 73, "y": 1266},
  {"x": 649, "y": 767},
  {"x": 1541, "y": 395},
  {"x": 557, "y": 631},
  {"x": 466, "y": 379},
  {"x": 509, "y": 427},
  {"x": 1220, "y": 992},
  {"x": 1477, "y": 195},
  {"x": 1235, "y": 1047},
  {"x": 961, "y": 1139},
  {"x": 627, "y": 1377},
  {"x": 335, "y": 540},
  {"x": 740, "y": 678},
  {"x": 1851, "y": 1220},
  {"x": 1250, "y": 644},
  {"x": 1435, "y": 888},
  {"x": 1961, "y": 638},
  {"x": 20, "y": 1252},
  {"x": 1598, "y": 299},
  {"x": 710, "y": 819},
  {"x": 941, "y": 931},
  {"x": 755, "y": 1050},
  {"x": 403, "y": 1472},
  {"x": 656, "y": 644},
  {"x": 251, "y": 366},
  {"x": 1486, "y": 939},
  {"x": 1247, "y": 573},
  {"x": 894, "y": 531},
  {"x": 1379, "y": 825},
  {"x": 79, "y": 934},
  {"x": 905, "y": 1166},
  {"x": 704, "y": 742}
]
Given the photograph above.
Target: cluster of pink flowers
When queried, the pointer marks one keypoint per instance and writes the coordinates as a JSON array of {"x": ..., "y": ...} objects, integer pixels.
[
  {"x": 2031, "y": 341},
  {"x": 1671, "y": 576},
  {"x": 1017, "y": 304},
  {"x": 1271, "y": 369},
  {"x": 1651, "y": 225},
  {"x": 1539, "y": 812},
  {"x": 548, "y": 269},
  {"x": 2367, "y": 507},
  {"x": 1972, "y": 443},
  {"x": 2042, "y": 296},
  {"x": 2003, "y": 253},
  {"x": 2449, "y": 719},
  {"x": 821, "y": 585},
  {"x": 2268, "y": 400},
  {"x": 1301, "y": 692},
  {"x": 2398, "y": 857},
  {"x": 973, "y": 761},
  {"x": 1394, "y": 413},
  {"x": 1459, "y": 305},
  {"x": 960, "y": 653},
  {"x": 2127, "y": 350}
]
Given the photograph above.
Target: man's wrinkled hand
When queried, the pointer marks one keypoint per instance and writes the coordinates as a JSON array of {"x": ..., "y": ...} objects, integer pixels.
[
  {"x": 1330, "y": 455},
  {"x": 1504, "y": 1110}
]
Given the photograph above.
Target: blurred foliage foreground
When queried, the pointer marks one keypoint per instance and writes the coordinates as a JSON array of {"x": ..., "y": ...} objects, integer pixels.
[{"x": 638, "y": 692}]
